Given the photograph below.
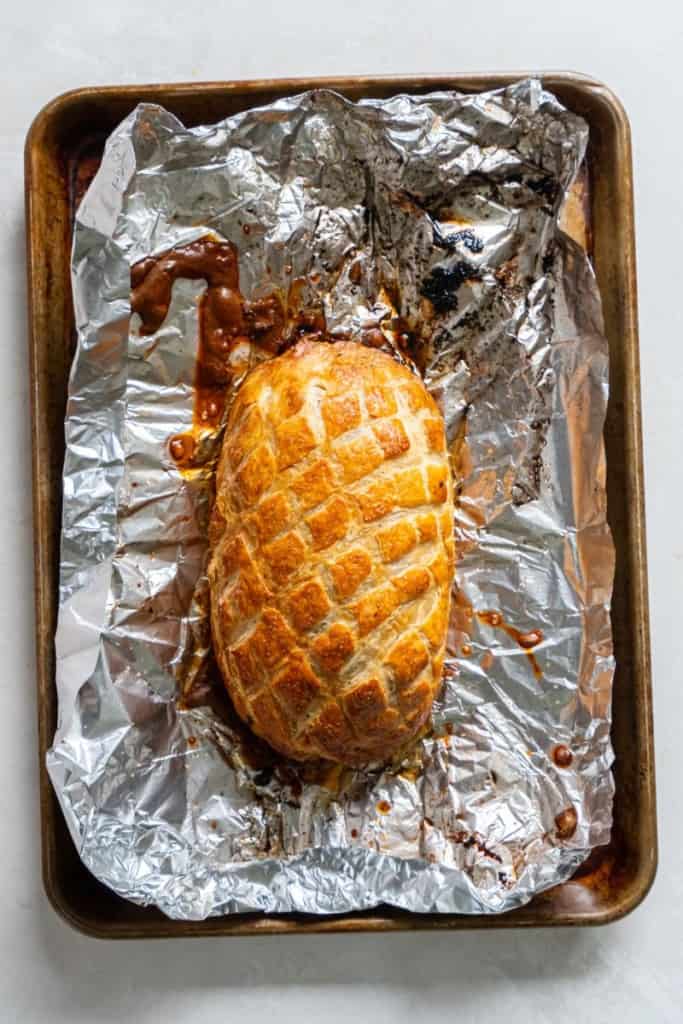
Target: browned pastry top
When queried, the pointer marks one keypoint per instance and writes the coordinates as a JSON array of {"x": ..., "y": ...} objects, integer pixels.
[{"x": 332, "y": 553}]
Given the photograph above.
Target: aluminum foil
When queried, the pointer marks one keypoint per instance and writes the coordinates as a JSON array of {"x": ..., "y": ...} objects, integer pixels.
[{"x": 451, "y": 202}]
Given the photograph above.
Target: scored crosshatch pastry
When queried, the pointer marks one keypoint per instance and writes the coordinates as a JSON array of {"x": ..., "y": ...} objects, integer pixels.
[{"x": 332, "y": 553}]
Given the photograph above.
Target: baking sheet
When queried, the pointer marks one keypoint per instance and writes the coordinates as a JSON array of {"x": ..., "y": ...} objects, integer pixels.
[{"x": 528, "y": 531}]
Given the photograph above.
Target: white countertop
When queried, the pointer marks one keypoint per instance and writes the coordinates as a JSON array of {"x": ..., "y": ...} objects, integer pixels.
[{"x": 629, "y": 972}]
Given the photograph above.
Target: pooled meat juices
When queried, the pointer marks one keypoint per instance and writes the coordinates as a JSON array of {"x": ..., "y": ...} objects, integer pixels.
[{"x": 228, "y": 325}]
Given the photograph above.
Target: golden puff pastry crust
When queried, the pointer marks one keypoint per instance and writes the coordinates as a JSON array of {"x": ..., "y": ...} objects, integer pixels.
[{"x": 332, "y": 553}]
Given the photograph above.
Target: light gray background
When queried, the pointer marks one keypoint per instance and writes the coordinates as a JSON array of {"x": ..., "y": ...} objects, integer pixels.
[{"x": 629, "y": 972}]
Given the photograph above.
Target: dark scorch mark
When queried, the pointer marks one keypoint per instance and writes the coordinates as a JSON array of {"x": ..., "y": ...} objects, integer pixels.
[{"x": 442, "y": 284}]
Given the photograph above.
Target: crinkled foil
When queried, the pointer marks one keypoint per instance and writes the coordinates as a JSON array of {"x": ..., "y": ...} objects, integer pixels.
[{"x": 451, "y": 202}]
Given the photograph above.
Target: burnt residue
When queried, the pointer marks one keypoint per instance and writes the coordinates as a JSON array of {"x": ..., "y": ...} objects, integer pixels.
[
  {"x": 453, "y": 239},
  {"x": 442, "y": 284},
  {"x": 527, "y": 486},
  {"x": 545, "y": 190},
  {"x": 263, "y": 777},
  {"x": 473, "y": 839},
  {"x": 546, "y": 187},
  {"x": 548, "y": 260}
]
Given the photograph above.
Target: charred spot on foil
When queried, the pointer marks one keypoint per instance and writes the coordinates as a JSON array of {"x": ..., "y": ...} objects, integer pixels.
[
  {"x": 527, "y": 486},
  {"x": 474, "y": 320},
  {"x": 546, "y": 187},
  {"x": 506, "y": 273},
  {"x": 442, "y": 284},
  {"x": 466, "y": 238},
  {"x": 521, "y": 495},
  {"x": 548, "y": 260},
  {"x": 472, "y": 839}
]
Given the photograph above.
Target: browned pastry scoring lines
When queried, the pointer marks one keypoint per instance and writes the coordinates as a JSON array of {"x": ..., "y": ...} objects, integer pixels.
[
  {"x": 357, "y": 555},
  {"x": 330, "y": 601}
]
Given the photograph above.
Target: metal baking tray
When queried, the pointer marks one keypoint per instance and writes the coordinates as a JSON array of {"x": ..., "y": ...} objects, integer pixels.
[{"x": 63, "y": 149}]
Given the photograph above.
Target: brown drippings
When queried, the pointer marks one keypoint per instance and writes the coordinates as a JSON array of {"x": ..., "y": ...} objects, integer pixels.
[
  {"x": 404, "y": 338},
  {"x": 228, "y": 324},
  {"x": 463, "y": 616},
  {"x": 181, "y": 447},
  {"x": 383, "y": 807},
  {"x": 302, "y": 319},
  {"x": 526, "y": 640},
  {"x": 265, "y": 322},
  {"x": 295, "y": 294},
  {"x": 373, "y": 337},
  {"x": 470, "y": 839},
  {"x": 470, "y": 513},
  {"x": 599, "y": 873},
  {"x": 562, "y": 756},
  {"x": 486, "y": 660},
  {"x": 328, "y": 775},
  {"x": 354, "y": 833},
  {"x": 566, "y": 822}
]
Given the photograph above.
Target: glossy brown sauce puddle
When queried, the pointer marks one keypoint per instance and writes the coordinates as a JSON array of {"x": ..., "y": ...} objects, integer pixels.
[{"x": 233, "y": 331}]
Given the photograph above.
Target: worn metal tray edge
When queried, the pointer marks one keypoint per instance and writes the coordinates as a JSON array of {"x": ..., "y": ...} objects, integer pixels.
[{"x": 49, "y": 297}]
